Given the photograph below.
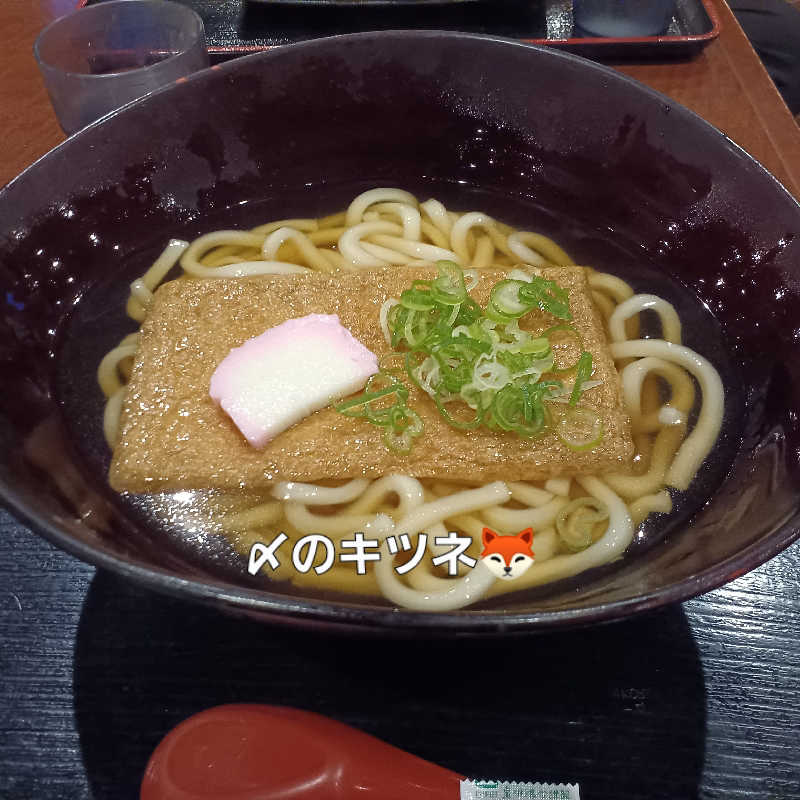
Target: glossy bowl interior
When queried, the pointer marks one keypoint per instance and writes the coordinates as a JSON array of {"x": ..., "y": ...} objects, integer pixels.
[{"x": 625, "y": 179}]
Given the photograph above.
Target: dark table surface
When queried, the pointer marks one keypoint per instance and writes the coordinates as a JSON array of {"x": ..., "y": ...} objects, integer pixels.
[{"x": 699, "y": 700}]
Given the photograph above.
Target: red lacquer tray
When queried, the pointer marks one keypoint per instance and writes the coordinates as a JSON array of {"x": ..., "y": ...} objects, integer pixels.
[{"x": 236, "y": 27}]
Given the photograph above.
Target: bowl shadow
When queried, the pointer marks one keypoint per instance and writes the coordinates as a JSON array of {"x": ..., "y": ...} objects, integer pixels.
[{"x": 619, "y": 708}]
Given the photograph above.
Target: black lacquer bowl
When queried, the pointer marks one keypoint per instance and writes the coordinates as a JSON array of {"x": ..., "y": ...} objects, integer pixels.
[{"x": 621, "y": 176}]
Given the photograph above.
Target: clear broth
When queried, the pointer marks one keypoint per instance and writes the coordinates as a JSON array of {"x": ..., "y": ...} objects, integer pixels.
[{"x": 185, "y": 519}]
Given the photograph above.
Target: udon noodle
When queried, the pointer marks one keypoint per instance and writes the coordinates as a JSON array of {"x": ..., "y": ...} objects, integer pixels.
[{"x": 389, "y": 227}]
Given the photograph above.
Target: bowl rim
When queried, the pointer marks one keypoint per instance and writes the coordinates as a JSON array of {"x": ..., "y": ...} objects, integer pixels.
[
  {"x": 352, "y": 616},
  {"x": 344, "y": 615}
]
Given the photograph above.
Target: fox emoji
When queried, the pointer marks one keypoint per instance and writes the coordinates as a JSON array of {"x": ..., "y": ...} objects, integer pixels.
[{"x": 507, "y": 557}]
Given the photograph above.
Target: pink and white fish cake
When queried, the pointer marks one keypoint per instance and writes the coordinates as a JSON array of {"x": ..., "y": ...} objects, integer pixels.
[{"x": 290, "y": 371}]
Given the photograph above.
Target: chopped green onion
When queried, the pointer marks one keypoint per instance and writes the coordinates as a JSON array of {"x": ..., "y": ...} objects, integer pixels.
[
  {"x": 539, "y": 348},
  {"x": 392, "y": 364},
  {"x": 505, "y": 299},
  {"x": 570, "y": 331},
  {"x": 417, "y": 300},
  {"x": 468, "y": 313},
  {"x": 579, "y": 428},
  {"x": 547, "y": 295},
  {"x": 358, "y": 405},
  {"x": 575, "y": 522},
  {"x": 449, "y": 288},
  {"x": 477, "y": 365},
  {"x": 519, "y": 409},
  {"x": 461, "y": 424},
  {"x": 561, "y": 326},
  {"x": 583, "y": 375},
  {"x": 401, "y": 424}
]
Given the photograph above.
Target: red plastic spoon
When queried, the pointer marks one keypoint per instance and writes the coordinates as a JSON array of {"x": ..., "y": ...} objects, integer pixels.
[{"x": 256, "y": 752}]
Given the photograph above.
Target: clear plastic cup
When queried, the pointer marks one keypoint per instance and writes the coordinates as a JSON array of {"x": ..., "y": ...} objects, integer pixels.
[
  {"x": 623, "y": 18},
  {"x": 100, "y": 57}
]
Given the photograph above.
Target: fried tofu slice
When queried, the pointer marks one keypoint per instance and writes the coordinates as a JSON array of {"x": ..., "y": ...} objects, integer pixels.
[{"x": 173, "y": 436}]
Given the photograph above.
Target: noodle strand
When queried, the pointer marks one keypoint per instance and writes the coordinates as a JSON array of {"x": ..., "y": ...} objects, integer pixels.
[{"x": 388, "y": 227}]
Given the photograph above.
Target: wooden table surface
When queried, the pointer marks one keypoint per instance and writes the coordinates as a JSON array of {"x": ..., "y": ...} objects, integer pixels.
[
  {"x": 699, "y": 700},
  {"x": 726, "y": 85}
]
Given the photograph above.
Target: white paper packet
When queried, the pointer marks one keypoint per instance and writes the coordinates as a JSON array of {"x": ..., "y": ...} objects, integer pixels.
[{"x": 512, "y": 790}]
